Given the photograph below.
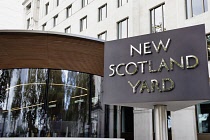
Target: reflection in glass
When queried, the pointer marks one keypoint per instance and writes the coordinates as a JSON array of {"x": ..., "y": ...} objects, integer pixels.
[
  {"x": 68, "y": 112},
  {"x": 188, "y": 6},
  {"x": 205, "y": 5},
  {"x": 197, "y": 7},
  {"x": 208, "y": 45},
  {"x": 123, "y": 29},
  {"x": 203, "y": 117},
  {"x": 23, "y": 109},
  {"x": 49, "y": 103},
  {"x": 157, "y": 19}
]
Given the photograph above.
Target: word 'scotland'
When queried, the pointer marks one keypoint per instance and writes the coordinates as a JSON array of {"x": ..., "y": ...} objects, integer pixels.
[{"x": 167, "y": 84}]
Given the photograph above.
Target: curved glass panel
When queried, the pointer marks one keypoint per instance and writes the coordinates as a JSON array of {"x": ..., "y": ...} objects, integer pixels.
[{"x": 49, "y": 103}]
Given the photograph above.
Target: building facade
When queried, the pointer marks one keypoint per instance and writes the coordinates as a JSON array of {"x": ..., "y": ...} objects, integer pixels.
[{"x": 117, "y": 19}]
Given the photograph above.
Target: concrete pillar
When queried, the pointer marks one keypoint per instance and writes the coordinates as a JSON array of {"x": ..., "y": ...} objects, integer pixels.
[
  {"x": 111, "y": 121},
  {"x": 118, "y": 121},
  {"x": 143, "y": 128},
  {"x": 183, "y": 124}
]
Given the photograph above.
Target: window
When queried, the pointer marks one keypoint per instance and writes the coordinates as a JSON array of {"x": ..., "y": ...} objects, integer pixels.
[
  {"x": 122, "y": 29},
  {"x": 83, "y": 23},
  {"x": 28, "y": 8},
  {"x": 157, "y": 19},
  {"x": 122, "y": 2},
  {"x": 55, "y": 20},
  {"x": 203, "y": 117},
  {"x": 46, "y": 8},
  {"x": 69, "y": 11},
  {"x": 208, "y": 45},
  {"x": 84, "y": 3},
  {"x": 44, "y": 26},
  {"x": 102, "y": 12},
  {"x": 57, "y": 2},
  {"x": 102, "y": 36},
  {"x": 28, "y": 23},
  {"x": 68, "y": 29},
  {"x": 196, "y": 7}
]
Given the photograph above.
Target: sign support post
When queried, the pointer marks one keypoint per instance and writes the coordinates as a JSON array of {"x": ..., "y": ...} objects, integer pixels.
[{"x": 160, "y": 114}]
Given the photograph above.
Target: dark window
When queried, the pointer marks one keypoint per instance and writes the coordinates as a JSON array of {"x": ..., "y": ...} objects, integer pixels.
[
  {"x": 102, "y": 12},
  {"x": 55, "y": 20},
  {"x": 57, "y": 2},
  {"x": 83, "y": 23},
  {"x": 208, "y": 45},
  {"x": 122, "y": 29},
  {"x": 84, "y": 3},
  {"x": 106, "y": 129},
  {"x": 157, "y": 19},
  {"x": 28, "y": 23},
  {"x": 102, "y": 36},
  {"x": 203, "y": 117},
  {"x": 127, "y": 123},
  {"x": 115, "y": 120},
  {"x": 122, "y": 2},
  {"x": 28, "y": 7},
  {"x": 44, "y": 26},
  {"x": 68, "y": 29},
  {"x": 46, "y": 8},
  {"x": 69, "y": 11},
  {"x": 196, "y": 7}
]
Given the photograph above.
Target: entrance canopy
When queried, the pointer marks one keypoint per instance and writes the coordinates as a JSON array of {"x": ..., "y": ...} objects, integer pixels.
[{"x": 34, "y": 49}]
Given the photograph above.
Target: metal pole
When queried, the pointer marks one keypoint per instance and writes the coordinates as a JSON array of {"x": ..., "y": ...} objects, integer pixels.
[{"x": 160, "y": 114}]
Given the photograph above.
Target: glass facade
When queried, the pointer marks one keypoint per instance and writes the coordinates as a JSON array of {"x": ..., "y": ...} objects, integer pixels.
[{"x": 49, "y": 103}]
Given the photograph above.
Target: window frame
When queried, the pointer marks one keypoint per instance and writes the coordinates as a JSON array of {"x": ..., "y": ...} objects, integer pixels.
[
  {"x": 163, "y": 17},
  {"x": 67, "y": 29},
  {"x": 28, "y": 23},
  {"x": 100, "y": 13},
  {"x": 44, "y": 26},
  {"x": 189, "y": 14},
  {"x": 104, "y": 32},
  {"x": 55, "y": 18},
  {"x": 84, "y": 3},
  {"x": 81, "y": 23},
  {"x": 118, "y": 24},
  {"x": 120, "y": 3},
  {"x": 68, "y": 10},
  {"x": 28, "y": 8},
  {"x": 57, "y": 2},
  {"x": 47, "y": 8}
]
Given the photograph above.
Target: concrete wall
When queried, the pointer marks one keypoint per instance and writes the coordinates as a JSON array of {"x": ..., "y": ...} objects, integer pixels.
[
  {"x": 143, "y": 128},
  {"x": 184, "y": 124}
]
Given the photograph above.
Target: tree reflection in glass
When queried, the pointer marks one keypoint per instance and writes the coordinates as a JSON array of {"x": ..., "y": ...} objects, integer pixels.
[
  {"x": 68, "y": 112},
  {"x": 46, "y": 102}
]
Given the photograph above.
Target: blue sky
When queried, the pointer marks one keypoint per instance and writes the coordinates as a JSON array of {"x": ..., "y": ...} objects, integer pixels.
[{"x": 11, "y": 14}]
